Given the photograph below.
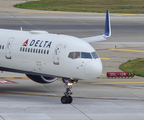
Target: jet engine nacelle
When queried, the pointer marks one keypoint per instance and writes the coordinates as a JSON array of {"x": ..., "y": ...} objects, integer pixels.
[{"x": 41, "y": 79}]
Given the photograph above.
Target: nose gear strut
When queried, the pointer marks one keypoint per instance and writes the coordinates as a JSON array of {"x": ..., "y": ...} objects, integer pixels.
[{"x": 67, "y": 94}]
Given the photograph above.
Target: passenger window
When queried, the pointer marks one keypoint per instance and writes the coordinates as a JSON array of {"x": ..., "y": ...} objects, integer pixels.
[
  {"x": 3, "y": 47},
  {"x": 71, "y": 54},
  {"x": 20, "y": 48},
  {"x": 94, "y": 55},
  {"x": 47, "y": 51},
  {"x": 26, "y": 50},
  {"x": 85, "y": 55},
  {"x": 31, "y": 49},
  {"x": 44, "y": 51},
  {"x": 23, "y": 49},
  {"x": 77, "y": 55},
  {"x": 36, "y": 50},
  {"x": 39, "y": 51}
]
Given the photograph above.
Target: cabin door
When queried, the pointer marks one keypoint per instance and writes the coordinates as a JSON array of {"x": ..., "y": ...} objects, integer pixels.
[
  {"x": 56, "y": 54},
  {"x": 8, "y": 48}
]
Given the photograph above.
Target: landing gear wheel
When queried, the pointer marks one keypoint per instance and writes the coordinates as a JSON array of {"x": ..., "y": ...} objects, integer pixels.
[
  {"x": 70, "y": 99},
  {"x": 67, "y": 94},
  {"x": 64, "y": 99}
]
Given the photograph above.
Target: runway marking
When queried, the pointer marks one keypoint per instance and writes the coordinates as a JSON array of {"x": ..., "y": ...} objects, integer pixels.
[
  {"x": 105, "y": 58},
  {"x": 6, "y": 82},
  {"x": 125, "y": 15},
  {"x": 107, "y": 83},
  {"x": 126, "y": 50}
]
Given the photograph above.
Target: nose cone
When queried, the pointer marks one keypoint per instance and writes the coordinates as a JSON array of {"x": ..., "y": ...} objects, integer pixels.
[{"x": 93, "y": 69}]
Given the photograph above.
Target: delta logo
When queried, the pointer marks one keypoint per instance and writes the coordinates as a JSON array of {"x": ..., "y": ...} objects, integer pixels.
[
  {"x": 25, "y": 43},
  {"x": 38, "y": 43}
]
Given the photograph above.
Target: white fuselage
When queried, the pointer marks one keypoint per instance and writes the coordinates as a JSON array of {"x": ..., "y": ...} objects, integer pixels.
[{"x": 41, "y": 53}]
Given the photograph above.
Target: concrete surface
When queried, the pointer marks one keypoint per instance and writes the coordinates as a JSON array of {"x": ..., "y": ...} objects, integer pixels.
[{"x": 98, "y": 99}]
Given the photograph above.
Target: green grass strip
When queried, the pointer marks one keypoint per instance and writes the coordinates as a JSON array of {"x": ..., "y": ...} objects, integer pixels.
[
  {"x": 136, "y": 66},
  {"x": 99, "y": 6}
]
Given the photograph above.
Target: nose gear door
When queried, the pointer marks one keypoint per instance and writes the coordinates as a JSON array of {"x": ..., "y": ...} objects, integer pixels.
[
  {"x": 8, "y": 48},
  {"x": 56, "y": 54}
]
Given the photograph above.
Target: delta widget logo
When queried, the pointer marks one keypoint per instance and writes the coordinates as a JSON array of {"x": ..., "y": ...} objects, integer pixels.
[{"x": 25, "y": 43}]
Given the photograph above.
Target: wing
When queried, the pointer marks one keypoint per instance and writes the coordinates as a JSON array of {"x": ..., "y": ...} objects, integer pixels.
[{"x": 106, "y": 34}]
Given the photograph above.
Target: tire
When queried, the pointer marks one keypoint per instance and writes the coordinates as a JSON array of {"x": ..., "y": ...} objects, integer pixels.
[
  {"x": 70, "y": 99},
  {"x": 64, "y": 99}
]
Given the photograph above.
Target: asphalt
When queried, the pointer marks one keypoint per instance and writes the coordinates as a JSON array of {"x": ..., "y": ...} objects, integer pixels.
[{"x": 98, "y": 99}]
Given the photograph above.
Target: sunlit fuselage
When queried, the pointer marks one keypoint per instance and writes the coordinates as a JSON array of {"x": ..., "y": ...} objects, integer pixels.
[
  {"x": 47, "y": 54},
  {"x": 78, "y": 68}
]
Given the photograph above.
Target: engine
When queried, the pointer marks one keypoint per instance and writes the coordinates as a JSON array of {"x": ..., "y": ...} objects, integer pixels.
[{"x": 41, "y": 79}]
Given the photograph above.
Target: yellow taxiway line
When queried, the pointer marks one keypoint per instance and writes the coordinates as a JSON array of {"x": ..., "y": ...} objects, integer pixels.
[
  {"x": 102, "y": 74},
  {"x": 99, "y": 83},
  {"x": 126, "y": 50},
  {"x": 109, "y": 83},
  {"x": 105, "y": 58}
]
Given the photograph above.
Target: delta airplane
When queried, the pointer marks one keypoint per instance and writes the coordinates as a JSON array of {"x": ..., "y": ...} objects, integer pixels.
[{"x": 44, "y": 57}]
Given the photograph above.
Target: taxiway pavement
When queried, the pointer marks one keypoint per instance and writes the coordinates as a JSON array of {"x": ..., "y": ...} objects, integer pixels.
[{"x": 98, "y": 99}]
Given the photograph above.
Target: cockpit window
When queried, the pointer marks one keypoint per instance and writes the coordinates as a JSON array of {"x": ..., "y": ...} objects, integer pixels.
[
  {"x": 94, "y": 55},
  {"x": 86, "y": 55},
  {"x": 77, "y": 55},
  {"x": 71, "y": 54},
  {"x": 74, "y": 55}
]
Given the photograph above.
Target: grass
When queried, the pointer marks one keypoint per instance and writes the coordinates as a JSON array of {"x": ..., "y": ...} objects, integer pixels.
[
  {"x": 136, "y": 66},
  {"x": 99, "y": 6}
]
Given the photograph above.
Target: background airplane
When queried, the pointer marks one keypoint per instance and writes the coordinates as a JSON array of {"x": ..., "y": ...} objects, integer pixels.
[{"x": 43, "y": 56}]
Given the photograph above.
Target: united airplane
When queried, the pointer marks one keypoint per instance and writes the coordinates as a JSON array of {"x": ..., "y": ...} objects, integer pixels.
[{"x": 44, "y": 57}]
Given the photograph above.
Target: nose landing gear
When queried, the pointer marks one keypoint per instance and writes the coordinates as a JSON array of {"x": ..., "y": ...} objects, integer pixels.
[{"x": 67, "y": 94}]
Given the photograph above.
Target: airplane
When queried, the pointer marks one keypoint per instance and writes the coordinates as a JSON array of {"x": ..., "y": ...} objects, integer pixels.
[{"x": 44, "y": 57}]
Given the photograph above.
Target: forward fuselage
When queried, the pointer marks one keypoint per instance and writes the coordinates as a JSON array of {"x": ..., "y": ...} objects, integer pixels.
[{"x": 41, "y": 53}]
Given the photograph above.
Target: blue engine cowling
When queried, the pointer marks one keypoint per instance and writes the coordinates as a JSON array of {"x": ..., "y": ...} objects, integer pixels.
[{"x": 41, "y": 79}]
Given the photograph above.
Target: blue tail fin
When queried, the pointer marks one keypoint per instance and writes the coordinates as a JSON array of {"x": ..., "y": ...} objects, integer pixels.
[{"x": 107, "y": 32}]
